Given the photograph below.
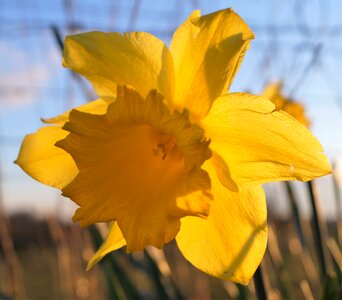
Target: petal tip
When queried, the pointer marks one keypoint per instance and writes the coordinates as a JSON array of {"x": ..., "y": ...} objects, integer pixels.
[
  {"x": 47, "y": 120},
  {"x": 91, "y": 263}
]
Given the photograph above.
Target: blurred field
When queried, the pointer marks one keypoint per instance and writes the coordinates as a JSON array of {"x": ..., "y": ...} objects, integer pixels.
[{"x": 46, "y": 259}]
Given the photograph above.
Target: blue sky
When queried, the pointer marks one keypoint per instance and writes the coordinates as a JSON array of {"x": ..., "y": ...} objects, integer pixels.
[{"x": 33, "y": 84}]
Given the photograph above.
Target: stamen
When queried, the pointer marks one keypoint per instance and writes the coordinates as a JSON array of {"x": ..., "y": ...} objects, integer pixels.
[{"x": 166, "y": 144}]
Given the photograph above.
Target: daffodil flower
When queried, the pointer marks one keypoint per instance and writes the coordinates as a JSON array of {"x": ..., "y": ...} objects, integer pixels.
[
  {"x": 165, "y": 152},
  {"x": 273, "y": 92}
]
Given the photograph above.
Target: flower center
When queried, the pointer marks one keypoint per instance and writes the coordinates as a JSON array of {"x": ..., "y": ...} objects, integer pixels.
[
  {"x": 167, "y": 144},
  {"x": 139, "y": 164}
]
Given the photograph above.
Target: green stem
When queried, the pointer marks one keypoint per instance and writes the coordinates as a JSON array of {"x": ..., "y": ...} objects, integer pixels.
[
  {"x": 260, "y": 284},
  {"x": 338, "y": 207},
  {"x": 317, "y": 229},
  {"x": 164, "y": 285},
  {"x": 112, "y": 269},
  {"x": 243, "y": 292},
  {"x": 296, "y": 214}
]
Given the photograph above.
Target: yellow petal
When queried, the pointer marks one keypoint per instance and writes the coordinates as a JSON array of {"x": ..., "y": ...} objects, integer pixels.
[
  {"x": 43, "y": 161},
  {"x": 113, "y": 241},
  {"x": 138, "y": 157},
  {"x": 46, "y": 163},
  {"x": 207, "y": 53},
  {"x": 96, "y": 107},
  {"x": 231, "y": 242},
  {"x": 296, "y": 110},
  {"x": 223, "y": 172},
  {"x": 261, "y": 145},
  {"x": 106, "y": 59}
]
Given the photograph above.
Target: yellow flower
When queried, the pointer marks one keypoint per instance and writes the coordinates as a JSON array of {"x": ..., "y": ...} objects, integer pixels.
[
  {"x": 165, "y": 152},
  {"x": 273, "y": 92}
]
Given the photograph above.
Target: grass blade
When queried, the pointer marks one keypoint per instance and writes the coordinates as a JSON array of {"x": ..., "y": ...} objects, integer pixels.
[{"x": 317, "y": 229}]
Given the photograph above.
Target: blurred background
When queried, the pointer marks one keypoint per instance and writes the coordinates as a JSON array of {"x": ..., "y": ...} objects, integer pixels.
[{"x": 43, "y": 255}]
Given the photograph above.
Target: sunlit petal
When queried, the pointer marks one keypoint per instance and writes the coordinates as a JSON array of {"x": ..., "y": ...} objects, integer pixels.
[
  {"x": 231, "y": 242},
  {"x": 46, "y": 163},
  {"x": 260, "y": 144},
  {"x": 106, "y": 59},
  {"x": 207, "y": 53}
]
